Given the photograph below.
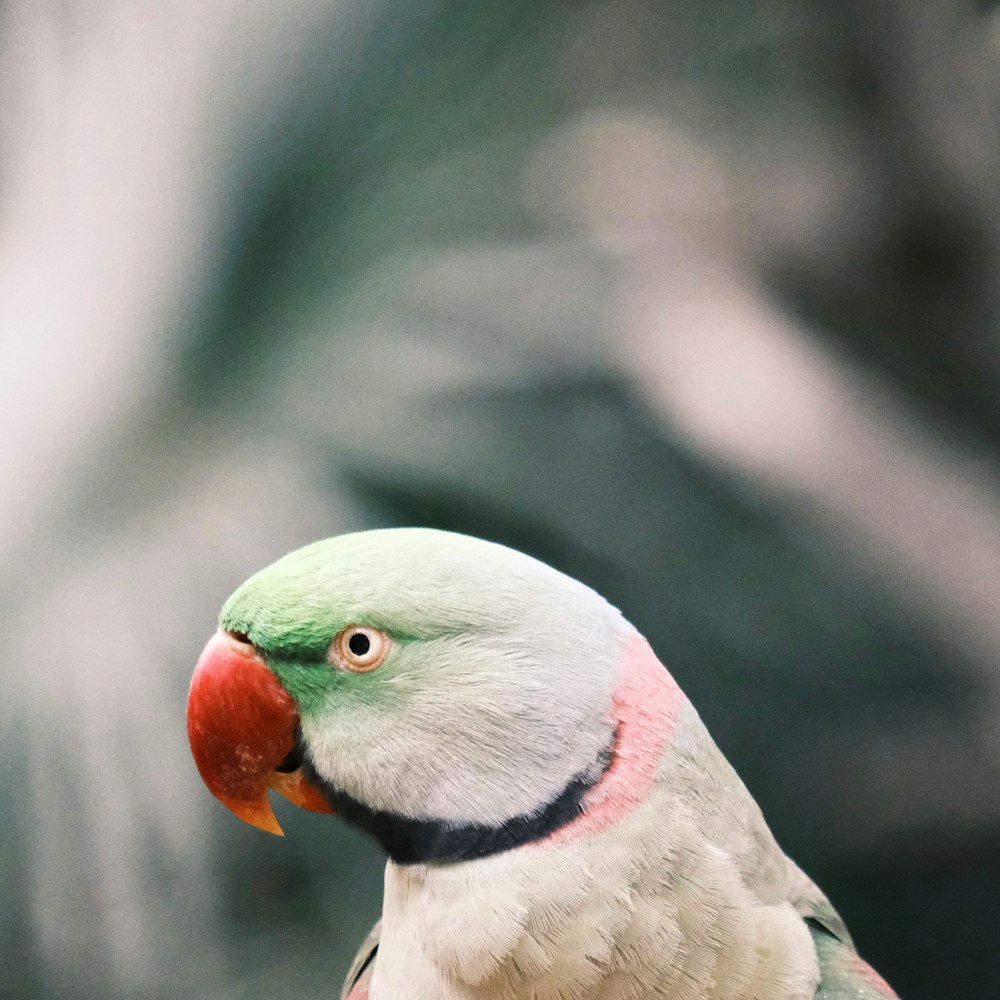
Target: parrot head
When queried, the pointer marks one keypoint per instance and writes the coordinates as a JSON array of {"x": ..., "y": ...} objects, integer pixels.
[{"x": 449, "y": 695}]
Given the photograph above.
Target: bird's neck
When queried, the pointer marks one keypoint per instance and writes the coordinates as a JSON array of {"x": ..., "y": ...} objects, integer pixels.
[
  {"x": 473, "y": 917},
  {"x": 645, "y": 707},
  {"x": 652, "y": 891},
  {"x": 472, "y": 931},
  {"x": 650, "y": 910}
]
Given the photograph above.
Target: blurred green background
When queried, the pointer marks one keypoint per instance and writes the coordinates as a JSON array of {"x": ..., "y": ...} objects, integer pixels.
[{"x": 698, "y": 302}]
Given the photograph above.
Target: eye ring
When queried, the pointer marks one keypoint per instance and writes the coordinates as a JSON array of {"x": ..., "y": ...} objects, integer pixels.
[{"x": 359, "y": 649}]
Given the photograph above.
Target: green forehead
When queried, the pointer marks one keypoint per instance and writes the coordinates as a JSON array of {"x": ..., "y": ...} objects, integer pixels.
[{"x": 411, "y": 582}]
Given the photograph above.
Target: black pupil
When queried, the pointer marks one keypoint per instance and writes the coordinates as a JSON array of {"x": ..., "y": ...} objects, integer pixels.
[{"x": 359, "y": 644}]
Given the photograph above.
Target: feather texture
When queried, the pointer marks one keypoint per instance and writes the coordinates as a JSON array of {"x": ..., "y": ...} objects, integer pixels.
[
  {"x": 686, "y": 895},
  {"x": 560, "y": 824}
]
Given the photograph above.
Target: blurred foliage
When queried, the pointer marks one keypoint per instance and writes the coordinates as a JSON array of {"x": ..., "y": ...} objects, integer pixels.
[{"x": 393, "y": 329}]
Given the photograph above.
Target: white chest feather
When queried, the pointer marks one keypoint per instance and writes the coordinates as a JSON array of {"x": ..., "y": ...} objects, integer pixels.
[{"x": 666, "y": 905}]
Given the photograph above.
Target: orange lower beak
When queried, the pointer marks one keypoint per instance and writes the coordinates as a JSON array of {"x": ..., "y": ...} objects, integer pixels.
[{"x": 242, "y": 726}]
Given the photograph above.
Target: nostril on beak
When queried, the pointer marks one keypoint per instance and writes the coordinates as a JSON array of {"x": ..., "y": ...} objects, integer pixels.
[{"x": 241, "y": 638}]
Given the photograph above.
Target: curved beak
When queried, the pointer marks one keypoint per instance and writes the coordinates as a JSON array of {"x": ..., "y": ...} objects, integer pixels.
[{"x": 242, "y": 726}]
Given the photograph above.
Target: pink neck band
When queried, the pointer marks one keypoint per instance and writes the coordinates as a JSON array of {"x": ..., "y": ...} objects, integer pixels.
[{"x": 646, "y": 704}]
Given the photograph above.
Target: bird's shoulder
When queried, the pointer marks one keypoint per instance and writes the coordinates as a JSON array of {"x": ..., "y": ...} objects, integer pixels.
[{"x": 356, "y": 985}]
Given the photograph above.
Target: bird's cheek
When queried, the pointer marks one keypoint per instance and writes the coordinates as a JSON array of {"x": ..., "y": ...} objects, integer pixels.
[{"x": 242, "y": 729}]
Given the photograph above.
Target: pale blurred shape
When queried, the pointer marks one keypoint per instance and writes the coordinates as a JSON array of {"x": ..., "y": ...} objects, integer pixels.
[
  {"x": 627, "y": 181},
  {"x": 749, "y": 388},
  {"x": 124, "y": 123},
  {"x": 752, "y": 390}
]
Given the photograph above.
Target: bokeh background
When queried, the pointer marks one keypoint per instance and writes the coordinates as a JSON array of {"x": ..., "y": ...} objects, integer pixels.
[{"x": 698, "y": 301}]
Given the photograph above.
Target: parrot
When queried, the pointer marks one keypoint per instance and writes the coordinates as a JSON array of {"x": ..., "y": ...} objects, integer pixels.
[{"x": 558, "y": 823}]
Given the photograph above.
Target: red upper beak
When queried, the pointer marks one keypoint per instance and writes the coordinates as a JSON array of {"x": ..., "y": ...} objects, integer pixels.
[{"x": 241, "y": 726}]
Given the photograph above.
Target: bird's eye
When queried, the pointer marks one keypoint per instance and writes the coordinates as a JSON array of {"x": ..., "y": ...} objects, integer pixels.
[{"x": 359, "y": 648}]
